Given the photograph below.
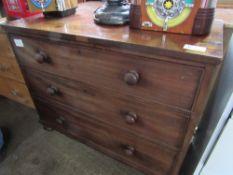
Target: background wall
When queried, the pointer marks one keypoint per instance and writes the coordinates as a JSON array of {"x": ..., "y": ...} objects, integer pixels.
[{"x": 225, "y": 3}]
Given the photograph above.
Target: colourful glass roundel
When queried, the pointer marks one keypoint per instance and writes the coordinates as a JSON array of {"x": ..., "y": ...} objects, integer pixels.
[
  {"x": 175, "y": 11},
  {"x": 41, "y": 3}
]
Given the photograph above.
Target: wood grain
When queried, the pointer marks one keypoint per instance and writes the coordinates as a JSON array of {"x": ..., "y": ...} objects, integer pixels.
[
  {"x": 3, "y": 87},
  {"x": 99, "y": 79},
  {"x": 16, "y": 91},
  {"x": 5, "y": 49},
  {"x": 156, "y": 122},
  {"x": 11, "y": 79},
  {"x": 80, "y": 28},
  {"x": 10, "y": 69},
  {"x": 147, "y": 156},
  {"x": 168, "y": 83}
]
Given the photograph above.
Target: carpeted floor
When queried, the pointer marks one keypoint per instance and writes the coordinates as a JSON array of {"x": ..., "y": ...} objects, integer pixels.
[{"x": 34, "y": 151}]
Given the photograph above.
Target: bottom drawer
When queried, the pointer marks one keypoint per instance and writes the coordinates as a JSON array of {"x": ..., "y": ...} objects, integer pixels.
[
  {"x": 131, "y": 149},
  {"x": 16, "y": 91}
]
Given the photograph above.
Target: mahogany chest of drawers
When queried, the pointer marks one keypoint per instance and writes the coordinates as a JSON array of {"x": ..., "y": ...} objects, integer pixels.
[
  {"x": 12, "y": 84},
  {"x": 134, "y": 95}
]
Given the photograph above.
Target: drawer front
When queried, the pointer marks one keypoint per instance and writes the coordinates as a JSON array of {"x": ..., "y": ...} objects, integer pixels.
[
  {"x": 9, "y": 68},
  {"x": 164, "y": 82},
  {"x": 153, "y": 121},
  {"x": 124, "y": 146},
  {"x": 4, "y": 90},
  {"x": 16, "y": 91}
]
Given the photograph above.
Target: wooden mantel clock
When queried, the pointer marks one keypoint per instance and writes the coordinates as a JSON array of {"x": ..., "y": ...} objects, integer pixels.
[{"x": 175, "y": 16}]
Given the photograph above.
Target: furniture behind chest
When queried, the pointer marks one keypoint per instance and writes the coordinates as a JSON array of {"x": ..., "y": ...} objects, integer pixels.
[
  {"x": 134, "y": 95},
  {"x": 12, "y": 84}
]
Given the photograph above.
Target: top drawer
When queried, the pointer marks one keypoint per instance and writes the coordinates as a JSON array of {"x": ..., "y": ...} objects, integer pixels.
[{"x": 164, "y": 82}]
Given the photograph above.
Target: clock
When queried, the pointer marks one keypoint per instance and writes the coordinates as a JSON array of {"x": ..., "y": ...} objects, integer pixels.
[
  {"x": 41, "y": 3},
  {"x": 167, "y": 13},
  {"x": 175, "y": 16}
]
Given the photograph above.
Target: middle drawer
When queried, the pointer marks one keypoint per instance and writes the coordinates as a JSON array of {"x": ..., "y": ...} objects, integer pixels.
[{"x": 153, "y": 121}]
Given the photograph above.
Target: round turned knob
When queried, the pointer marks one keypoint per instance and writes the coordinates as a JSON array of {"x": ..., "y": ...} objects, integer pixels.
[
  {"x": 131, "y": 77},
  {"x": 60, "y": 120},
  {"x": 129, "y": 150},
  {"x": 131, "y": 118},
  {"x": 41, "y": 57},
  {"x": 52, "y": 90}
]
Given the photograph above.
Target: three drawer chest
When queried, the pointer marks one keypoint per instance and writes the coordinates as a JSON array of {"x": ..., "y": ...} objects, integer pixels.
[{"x": 134, "y": 95}]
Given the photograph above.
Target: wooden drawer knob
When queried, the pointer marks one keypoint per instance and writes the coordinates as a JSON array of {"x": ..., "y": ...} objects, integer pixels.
[
  {"x": 131, "y": 77},
  {"x": 60, "y": 120},
  {"x": 131, "y": 117},
  {"x": 52, "y": 90},
  {"x": 41, "y": 57},
  {"x": 129, "y": 150}
]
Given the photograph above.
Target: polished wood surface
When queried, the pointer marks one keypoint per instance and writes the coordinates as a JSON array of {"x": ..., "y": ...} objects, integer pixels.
[
  {"x": 112, "y": 86},
  {"x": 6, "y": 51},
  {"x": 164, "y": 82},
  {"x": 81, "y": 28},
  {"x": 11, "y": 78},
  {"x": 152, "y": 158},
  {"x": 150, "y": 123},
  {"x": 9, "y": 68},
  {"x": 4, "y": 90}
]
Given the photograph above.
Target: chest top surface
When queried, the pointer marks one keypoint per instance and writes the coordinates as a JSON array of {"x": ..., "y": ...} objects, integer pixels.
[{"x": 81, "y": 27}]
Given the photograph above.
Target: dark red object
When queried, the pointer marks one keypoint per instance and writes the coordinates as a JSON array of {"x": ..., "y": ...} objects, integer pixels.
[{"x": 17, "y": 8}]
